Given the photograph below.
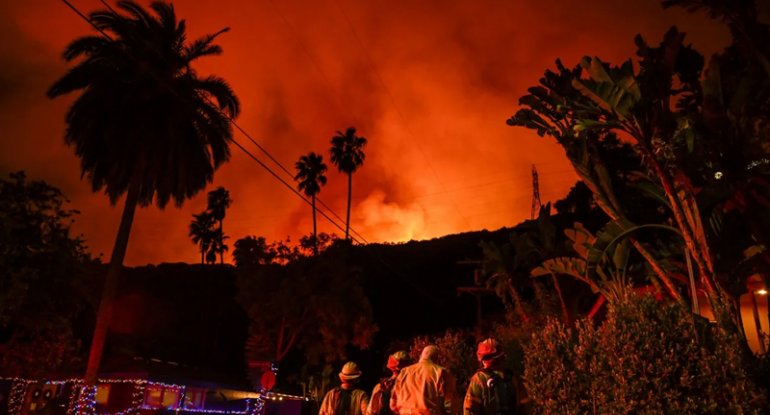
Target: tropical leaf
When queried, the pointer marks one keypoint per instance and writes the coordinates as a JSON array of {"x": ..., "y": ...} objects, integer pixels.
[
  {"x": 591, "y": 94},
  {"x": 606, "y": 237},
  {"x": 596, "y": 69},
  {"x": 614, "y": 90},
  {"x": 621, "y": 255},
  {"x": 586, "y": 124},
  {"x": 651, "y": 190},
  {"x": 574, "y": 267},
  {"x": 582, "y": 239}
]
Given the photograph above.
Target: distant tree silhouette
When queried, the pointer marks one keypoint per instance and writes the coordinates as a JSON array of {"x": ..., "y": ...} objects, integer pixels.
[
  {"x": 46, "y": 286},
  {"x": 251, "y": 251},
  {"x": 311, "y": 176},
  {"x": 218, "y": 202},
  {"x": 145, "y": 124},
  {"x": 217, "y": 247},
  {"x": 347, "y": 153},
  {"x": 202, "y": 232},
  {"x": 322, "y": 241}
]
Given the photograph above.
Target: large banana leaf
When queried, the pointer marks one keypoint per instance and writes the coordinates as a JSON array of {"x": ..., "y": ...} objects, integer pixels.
[
  {"x": 614, "y": 90},
  {"x": 572, "y": 266}
]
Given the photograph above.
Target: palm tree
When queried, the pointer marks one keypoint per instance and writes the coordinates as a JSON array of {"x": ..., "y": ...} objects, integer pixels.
[
  {"x": 202, "y": 232},
  {"x": 216, "y": 247},
  {"x": 218, "y": 202},
  {"x": 311, "y": 171},
  {"x": 145, "y": 124},
  {"x": 347, "y": 153}
]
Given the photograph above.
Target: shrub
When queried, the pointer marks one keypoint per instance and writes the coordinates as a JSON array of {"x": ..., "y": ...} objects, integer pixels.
[
  {"x": 456, "y": 352},
  {"x": 646, "y": 358}
]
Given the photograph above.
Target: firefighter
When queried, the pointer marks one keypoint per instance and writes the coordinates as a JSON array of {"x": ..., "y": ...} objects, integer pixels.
[
  {"x": 379, "y": 404},
  {"x": 491, "y": 391},
  {"x": 346, "y": 399},
  {"x": 424, "y": 388}
]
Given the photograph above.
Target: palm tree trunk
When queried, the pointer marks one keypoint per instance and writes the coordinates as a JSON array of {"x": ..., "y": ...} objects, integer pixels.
[
  {"x": 315, "y": 230},
  {"x": 222, "y": 243},
  {"x": 104, "y": 313},
  {"x": 350, "y": 194},
  {"x": 202, "y": 256}
]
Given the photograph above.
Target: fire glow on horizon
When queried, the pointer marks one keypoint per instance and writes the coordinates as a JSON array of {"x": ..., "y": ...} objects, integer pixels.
[{"x": 430, "y": 84}]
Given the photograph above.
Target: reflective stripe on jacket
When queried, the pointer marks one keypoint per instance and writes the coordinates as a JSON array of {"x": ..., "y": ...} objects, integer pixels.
[{"x": 483, "y": 398}]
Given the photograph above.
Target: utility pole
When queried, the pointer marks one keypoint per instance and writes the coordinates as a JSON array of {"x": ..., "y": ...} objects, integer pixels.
[{"x": 476, "y": 291}]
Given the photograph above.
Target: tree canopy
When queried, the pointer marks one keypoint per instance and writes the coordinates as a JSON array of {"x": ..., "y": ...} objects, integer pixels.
[{"x": 45, "y": 287}]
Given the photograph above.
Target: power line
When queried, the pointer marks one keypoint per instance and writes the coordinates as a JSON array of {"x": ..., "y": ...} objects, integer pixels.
[
  {"x": 290, "y": 187},
  {"x": 318, "y": 68},
  {"x": 239, "y": 128},
  {"x": 285, "y": 170},
  {"x": 400, "y": 114}
]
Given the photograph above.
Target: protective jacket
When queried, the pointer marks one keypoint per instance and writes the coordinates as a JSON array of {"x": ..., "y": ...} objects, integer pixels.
[
  {"x": 342, "y": 401},
  {"x": 379, "y": 403},
  {"x": 490, "y": 392},
  {"x": 424, "y": 388}
]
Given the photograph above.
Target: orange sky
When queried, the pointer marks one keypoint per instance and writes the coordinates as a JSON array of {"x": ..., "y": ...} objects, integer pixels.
[{"x": 430, "y": 83}]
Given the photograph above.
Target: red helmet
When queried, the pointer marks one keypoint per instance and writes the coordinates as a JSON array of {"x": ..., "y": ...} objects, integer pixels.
[
  {"x": 398, "y": 360},
  {"x": 489, "y": 349}
]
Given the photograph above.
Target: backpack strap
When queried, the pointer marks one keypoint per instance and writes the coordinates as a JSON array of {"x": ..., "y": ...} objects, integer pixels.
[{"x": 343, "y": 403}]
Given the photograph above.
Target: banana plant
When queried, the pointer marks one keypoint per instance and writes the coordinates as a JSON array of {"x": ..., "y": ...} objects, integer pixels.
[
  {"x": 643, "y": 116},
  {"x": 582, "y": 106},
  {"x": 544, "y": 243},
  {"x": 603, "y": 260},
  {"x": 558, "y": 109},
  {"x": 501, "y": 270}
]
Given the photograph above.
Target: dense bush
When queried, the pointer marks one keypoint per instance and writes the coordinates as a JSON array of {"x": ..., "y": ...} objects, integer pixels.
[
  {"x": 456, "y": 352},
  {"x": 646, "y": 358}
]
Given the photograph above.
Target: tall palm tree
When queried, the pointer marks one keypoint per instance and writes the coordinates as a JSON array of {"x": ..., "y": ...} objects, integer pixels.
[
  {"x": 347, "y": 153},
  {"x": 311, "y": 171},
  {"x": 145, "y": 124},
  {"x": 218, "y": 202},
  {"x": 202, "y": 232},
  {"x": 216, "y": 247}
]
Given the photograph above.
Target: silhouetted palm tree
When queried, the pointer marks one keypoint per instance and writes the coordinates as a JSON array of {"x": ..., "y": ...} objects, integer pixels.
[
  {"x": 347, "y": 153},
  {"x": 145, "y": 124},
  {"x": 202, "y": 232},
  {"x": 311, "y": 171},
  {"x": 216, "y": 247},
  {"x": 218, "y": 202}
]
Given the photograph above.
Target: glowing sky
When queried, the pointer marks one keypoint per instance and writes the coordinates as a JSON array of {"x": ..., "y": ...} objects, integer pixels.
[{"x": 429, "y": 83}]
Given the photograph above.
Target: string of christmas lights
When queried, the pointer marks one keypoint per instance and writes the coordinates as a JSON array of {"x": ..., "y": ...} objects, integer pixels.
[
  {"x": 16, "y": 398},
  {"x": 83, "y": 397},
  {"x": 73, "y": 398},
  {"x": 275, "y": 396},
  {"x": 137, "y": 396},
  {"x": 86, "y": 403}
]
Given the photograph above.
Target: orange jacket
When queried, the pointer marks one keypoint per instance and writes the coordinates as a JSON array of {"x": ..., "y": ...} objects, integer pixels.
[{"x": 424, "y": 388}]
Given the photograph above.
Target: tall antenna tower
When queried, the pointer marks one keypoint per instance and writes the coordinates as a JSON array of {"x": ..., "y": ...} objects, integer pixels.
[{"x": 535, "y": 193}]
